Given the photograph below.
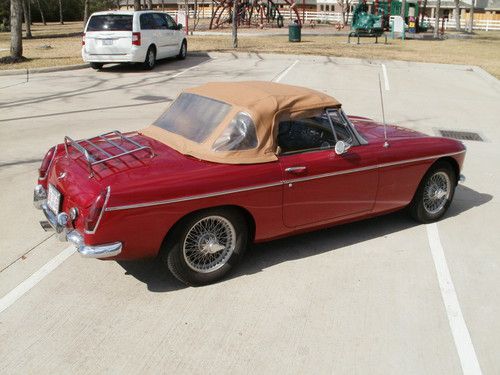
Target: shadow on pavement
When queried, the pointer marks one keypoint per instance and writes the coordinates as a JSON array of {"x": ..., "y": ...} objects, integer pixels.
[
  {"x": 102, "y": 82},
  {"x": 266, "y": 255}
]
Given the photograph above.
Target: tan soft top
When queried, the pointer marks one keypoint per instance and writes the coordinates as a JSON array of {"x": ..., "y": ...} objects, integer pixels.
[{"x": 266, "y": 102}]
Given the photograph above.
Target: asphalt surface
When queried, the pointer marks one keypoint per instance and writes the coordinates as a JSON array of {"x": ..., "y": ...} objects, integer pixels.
[{"x": 365, "y": 298}]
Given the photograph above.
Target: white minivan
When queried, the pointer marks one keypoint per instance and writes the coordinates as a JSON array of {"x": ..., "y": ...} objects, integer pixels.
[{"x": 128, "y": 36}]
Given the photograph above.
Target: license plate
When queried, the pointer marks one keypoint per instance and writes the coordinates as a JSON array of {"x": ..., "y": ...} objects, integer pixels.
[
  {"x": 107, "y": 42},
  {"x": 53, "y": 199}
]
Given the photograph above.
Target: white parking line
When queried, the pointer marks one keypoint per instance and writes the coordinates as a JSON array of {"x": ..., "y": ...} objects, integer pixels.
[
  {"x": 34, "y": 279},
  {"x": 386, "y": 79},
  {"x": 463, "y": 342},
  {"x": 285, "y": 72}
]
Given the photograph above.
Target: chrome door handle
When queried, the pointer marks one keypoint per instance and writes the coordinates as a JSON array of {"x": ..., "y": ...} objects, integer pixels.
[{"x": 296, "y": 170}]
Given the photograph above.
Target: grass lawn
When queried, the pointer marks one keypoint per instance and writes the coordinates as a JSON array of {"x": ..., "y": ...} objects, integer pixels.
[{"x": 482, "y": 50}]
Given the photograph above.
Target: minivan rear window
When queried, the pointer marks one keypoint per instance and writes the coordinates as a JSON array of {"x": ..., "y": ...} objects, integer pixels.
[{"x": 110, "y": 22}]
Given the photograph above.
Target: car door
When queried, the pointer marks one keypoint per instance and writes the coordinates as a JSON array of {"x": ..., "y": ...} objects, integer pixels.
[
  {"x": 176, "y": 35},
  {"x": 320, "y": 185},
  {"x": 149, "y": 32},
  {"x": 163, "y": 35}
]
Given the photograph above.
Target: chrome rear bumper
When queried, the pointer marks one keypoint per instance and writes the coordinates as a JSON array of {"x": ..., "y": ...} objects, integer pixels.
[{"x": 58, "y": 224}]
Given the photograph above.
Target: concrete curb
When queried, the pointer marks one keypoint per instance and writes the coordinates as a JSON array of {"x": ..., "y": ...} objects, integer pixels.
[
  {"x": 487, "y": 76},
  {"x": 48, "y": 69}
]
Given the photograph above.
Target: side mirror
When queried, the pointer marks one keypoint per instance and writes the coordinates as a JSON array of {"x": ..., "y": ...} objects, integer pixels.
[
  {"x": 179, "y": 26},
  {"x": 341, "y": 147}
]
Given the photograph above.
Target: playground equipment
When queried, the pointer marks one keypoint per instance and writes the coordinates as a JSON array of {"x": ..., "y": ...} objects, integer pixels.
[
  {"x": 254, "y": 13},
  {"x": 365, "y": 24}
]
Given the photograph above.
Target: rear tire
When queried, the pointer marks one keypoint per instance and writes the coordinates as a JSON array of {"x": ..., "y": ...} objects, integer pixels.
[
  {"x": 150, "y": 61},
  {"x": 434, "y": 194},
  {"x": 96, "y": 66},
  {"x": 183, "y": 51},
  {"x": 206, "y": 245}
]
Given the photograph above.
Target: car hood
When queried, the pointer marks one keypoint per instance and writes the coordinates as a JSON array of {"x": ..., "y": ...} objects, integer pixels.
[{"x": 374, "y": 131}]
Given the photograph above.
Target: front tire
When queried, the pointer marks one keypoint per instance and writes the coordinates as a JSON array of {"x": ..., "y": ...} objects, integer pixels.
[
  {"x": 183, "y": 51},
  {"x": 434, "y": 194},
  {"x": 150, "y": 61},
  {"x": 205, "y": 246}
]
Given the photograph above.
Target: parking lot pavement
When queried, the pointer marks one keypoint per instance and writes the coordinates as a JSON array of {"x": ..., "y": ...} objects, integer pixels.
[{"x": 360, "y": 298}]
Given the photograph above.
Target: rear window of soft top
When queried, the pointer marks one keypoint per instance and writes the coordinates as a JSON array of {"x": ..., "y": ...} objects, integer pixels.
[{"x": 110, "y": 22}]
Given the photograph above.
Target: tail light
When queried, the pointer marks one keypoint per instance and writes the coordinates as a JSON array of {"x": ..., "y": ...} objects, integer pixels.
[
  {"x": 83, "y": 39},
  {"x": 96, "y": 210},
  {"x": 136, "y": 39},
  {"x": 47, "y": 160}
]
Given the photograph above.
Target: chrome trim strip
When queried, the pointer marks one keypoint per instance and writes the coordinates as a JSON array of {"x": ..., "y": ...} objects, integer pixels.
[
  {"x": 102, "y": 212},
  {"x": 193, "y": 197},
  {"x": 256, "y": 187}
]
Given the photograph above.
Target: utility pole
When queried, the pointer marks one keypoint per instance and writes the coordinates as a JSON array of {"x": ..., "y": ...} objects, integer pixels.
[
  {"x": 436, "y": 19},
  {"x": 471, "y": 18},
  {"x": 235, "y": 24}
]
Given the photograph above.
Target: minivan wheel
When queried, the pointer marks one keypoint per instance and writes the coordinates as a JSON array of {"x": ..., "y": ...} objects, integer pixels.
[
  {"x": 96, "y": 66},
  {"x": 206, "y": 245},
  {"x": 150, "y": 61},
  {"x": 183, "y": 51}
]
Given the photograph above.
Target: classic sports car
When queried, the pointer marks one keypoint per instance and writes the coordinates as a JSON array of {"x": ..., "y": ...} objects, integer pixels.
[{"x": 232, "y": 163}]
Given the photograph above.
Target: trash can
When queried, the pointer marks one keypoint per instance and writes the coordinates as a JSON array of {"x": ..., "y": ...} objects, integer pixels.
[{"x": 294, "y": 32}]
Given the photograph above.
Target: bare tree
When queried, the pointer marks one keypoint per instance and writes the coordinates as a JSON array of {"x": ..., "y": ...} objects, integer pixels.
[
  {"x": 27, "y": 18},
  {"x": 235, "y": 24},
  {"x": 457, "y": 15},
  {"x": 436, "y": 19},
  {"x": 471, "y": 18},
  {"x": 86, "y": 7},
  {"x": 345, "y": 5},
  {"x": 61, "y": 21},
  {"x": 403, "y": 9},
  {"x": 424, "y": 9},
  {"x": 137, "y": 4},
  {"x": 41, "y": 12},
  {"x": 16, "y": 30}
]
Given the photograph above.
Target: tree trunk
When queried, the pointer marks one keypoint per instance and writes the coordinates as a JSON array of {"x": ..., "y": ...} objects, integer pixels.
[
  {"x": 424, "y": 9},
  {"x": 41, "y": 12},
  {"x": 150, "y": 4},
  {"x": 85, "y": 12},
  {"x": 235, "y": 24},
  {"x": 403, "y": 9},
  {"x": 16, "y": 30},
  {"x": 27, "y": 18},
  {"x": 436, "y": 19},
  {"x": 61, "y": 21},
  {"x": 137, "y": 4},
  {"x": 457, "y": 15},
  {"x": 471, "y": 18}
]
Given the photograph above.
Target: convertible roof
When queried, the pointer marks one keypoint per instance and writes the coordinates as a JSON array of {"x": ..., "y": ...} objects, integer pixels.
[{"x": 266, "y": 102}]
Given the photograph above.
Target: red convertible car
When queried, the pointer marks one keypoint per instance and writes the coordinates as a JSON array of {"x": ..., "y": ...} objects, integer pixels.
[{"x": 232, "y": 163}]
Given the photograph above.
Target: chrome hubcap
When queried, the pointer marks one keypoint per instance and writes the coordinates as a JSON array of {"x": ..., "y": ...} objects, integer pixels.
[
  {"x": 209, "y": 244},
  {"x": 436, "y": 192}
]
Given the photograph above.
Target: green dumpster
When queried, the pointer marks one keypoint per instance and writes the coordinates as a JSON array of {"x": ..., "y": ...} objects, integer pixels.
[{"x": 294, "y": 32}]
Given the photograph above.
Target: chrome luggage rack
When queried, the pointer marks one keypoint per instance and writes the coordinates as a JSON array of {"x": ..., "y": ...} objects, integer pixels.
[{"x": 109, "y": 138}]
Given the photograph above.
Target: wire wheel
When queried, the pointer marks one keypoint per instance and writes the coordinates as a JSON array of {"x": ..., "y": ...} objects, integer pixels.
[
  {"x": 209, "y": 244},
  {"x": 437, "y": 191}
]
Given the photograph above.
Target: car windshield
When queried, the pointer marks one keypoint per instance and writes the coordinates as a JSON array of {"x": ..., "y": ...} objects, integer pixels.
[
  {"x": 193, "y": 117},
  {"x": 110, "y": 22}
]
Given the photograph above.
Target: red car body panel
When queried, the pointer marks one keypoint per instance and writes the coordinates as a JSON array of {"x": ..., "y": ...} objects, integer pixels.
[{"x": 150, "y": 195}]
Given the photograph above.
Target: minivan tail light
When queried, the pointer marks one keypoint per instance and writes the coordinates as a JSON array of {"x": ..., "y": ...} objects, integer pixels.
[
  {"x": 47, "y": 160},
  {"x": 83, "y": 39},
  {"x": 96, "y": 210},
  {"x": 136, "y": 39}
]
